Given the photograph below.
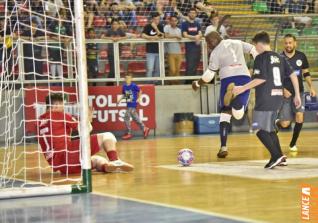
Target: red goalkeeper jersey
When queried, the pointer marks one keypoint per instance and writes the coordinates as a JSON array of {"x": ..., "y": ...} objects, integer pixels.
[{"x": 54, "y": 132}]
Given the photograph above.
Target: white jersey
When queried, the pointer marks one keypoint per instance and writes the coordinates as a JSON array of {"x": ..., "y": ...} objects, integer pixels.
[{"x": 228, "y": 58}]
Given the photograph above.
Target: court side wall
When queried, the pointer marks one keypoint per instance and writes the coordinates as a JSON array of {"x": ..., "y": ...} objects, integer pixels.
[{"x": 169, "y": 100}]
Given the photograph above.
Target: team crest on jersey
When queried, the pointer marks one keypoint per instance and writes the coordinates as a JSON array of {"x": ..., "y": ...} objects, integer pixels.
[
  {"x": 274, "y": 59},
  {"x": 257, "y": 72},
  {"x": 299, "y": 63}
]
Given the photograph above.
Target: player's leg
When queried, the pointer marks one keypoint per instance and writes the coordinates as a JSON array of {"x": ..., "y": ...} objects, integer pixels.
[
  {"x": 225, "y": 124},
  {"x": 263, "y": 123},
  {"x": 141, "y": 125},
  {"x": 286, "y": 114},
  {"x": 250, "y": 110},
  {"x": 239, "y": 103},
  {"x": 225, "y": 120},
  {"x": 127, "y": 121},
  {"x": 107, "y": 141},
  {"x": 296, "y": 132}
]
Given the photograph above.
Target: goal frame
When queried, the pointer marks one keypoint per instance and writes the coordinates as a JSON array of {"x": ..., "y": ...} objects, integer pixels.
[{"x": 86, "y": 185}]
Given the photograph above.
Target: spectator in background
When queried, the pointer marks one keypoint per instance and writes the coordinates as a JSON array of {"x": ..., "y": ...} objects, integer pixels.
[
  {"x": 215, "y": 22},
  {"x": 192, "y": 30},
  {"x": 173, "y": 49},
  {"x": 203, "y": 18},
  {"x": 298, "y": 6},
  {"x": 275, "y": 6},
  {"x": 114, "y": 13},
  {"x": 130, "y": 18},
  {"x": 153, "y": 31},
  {"x": 114, "y": 34},
  {"x": 184, "y": 6},
  {"x": 52, "y": 7},
  {"x": 37, "y": 7},
  {"x": 32, "y": 53},
  {"x": 61, "y": 34},
  {"x": 91, "y": 10},
  {"x": 148, "y": 7},
  {"x": 92, "y": 50},
  {"x": 6, "y": 44}
]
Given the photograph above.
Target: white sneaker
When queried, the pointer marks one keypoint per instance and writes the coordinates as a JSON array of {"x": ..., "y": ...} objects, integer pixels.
[
  {"x": 251, "y": 131},
  {"x": 222, "y": 152},
  {"x": 293, "y": 149},
  {"x": 118, "y": 166}
]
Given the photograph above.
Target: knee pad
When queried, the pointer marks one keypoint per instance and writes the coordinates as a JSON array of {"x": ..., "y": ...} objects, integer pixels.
[
  {"x": 225, "y": 117},
  {"x": 238, "y": 114},
  {"x": 108, "y": 136}
]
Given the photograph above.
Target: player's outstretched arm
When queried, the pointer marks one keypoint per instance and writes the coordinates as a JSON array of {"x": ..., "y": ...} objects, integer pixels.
[
  {"x": 120, "y": 99},
  {"x": 307, "y": 77},
  {"x": 252, "y": 84},
  {"x": 206, "y": 78},
  {"x": 295, "y": 83}
]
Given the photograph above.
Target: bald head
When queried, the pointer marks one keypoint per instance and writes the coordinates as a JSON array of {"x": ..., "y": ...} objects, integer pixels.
[{"x": 213, "y": 39}]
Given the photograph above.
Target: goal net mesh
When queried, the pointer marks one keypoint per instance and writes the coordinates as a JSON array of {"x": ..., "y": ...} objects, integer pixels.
[{"x": 38, "y": 58}]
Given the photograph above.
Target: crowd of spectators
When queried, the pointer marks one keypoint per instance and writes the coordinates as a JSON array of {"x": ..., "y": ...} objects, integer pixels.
[
  {"x": 155, "y": 20},
  {"x": 294, "y": 7},
  {"x": 120, "y": 19}
]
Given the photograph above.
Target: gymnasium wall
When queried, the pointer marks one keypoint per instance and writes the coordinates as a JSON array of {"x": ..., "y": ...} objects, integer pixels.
[{"x": 169, "y": 100}]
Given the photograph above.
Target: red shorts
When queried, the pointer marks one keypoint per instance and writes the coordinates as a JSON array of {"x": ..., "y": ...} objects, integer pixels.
[{"x": 69, "y": 162}]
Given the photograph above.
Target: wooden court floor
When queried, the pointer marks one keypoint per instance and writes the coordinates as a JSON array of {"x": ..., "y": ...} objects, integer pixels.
[
  {"x": 237, "y": 197},
  {"x": 247, "y": 198}
]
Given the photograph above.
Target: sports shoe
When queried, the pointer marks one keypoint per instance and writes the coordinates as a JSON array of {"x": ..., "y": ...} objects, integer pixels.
[
  {"x": 293, "y": 149},
  {"x": 229, "y": 96},
  {"x": 274, "y": 162},
  {"x": 146, "y": 132},
  {"x": 222, "y": 152},
  {"x": 127, "y": 136},
  {"x": 118, "y": 166},
  {"x": 283, "y": 163}
]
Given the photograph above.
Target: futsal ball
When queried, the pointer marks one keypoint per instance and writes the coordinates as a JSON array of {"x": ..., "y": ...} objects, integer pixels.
[{"x": 185, "y": 157}]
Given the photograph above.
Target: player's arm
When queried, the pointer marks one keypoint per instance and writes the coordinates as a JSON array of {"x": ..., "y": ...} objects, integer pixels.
[
  {"x": 139, "y": 96},
  {"x": 249, "y": 48},
  {"x": 294, "y": 79},
  {"x": 209, "y": 73},
  {"x": 120, "y": 99},
  {"x": 308, "y": 80},
  {"x": 260, "y": 77},
  {"x": 252, "y": 84},
  {"x": 206, "y": 78}
]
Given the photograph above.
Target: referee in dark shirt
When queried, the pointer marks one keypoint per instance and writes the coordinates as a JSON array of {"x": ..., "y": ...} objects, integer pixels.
[
  {"x": 270, "y": 69},
  {"x": 289, "y": 112}
]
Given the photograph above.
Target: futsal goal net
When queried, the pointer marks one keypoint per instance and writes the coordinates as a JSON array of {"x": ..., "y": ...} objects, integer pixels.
[{"x": 42, "y": 53}]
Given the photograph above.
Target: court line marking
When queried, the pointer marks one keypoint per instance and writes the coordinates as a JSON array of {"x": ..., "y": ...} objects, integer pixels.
[{"x": 195, "y": 210}]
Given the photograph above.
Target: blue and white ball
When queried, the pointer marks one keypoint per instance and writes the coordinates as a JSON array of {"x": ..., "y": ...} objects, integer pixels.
[{"x": 185, "y": 157}]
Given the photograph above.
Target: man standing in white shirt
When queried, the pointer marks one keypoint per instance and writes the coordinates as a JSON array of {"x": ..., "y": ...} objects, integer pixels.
[{"x": 215, "y": 20}]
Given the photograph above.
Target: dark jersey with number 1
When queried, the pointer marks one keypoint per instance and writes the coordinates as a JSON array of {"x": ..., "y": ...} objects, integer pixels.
[{"x": 273, "y": 68}]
